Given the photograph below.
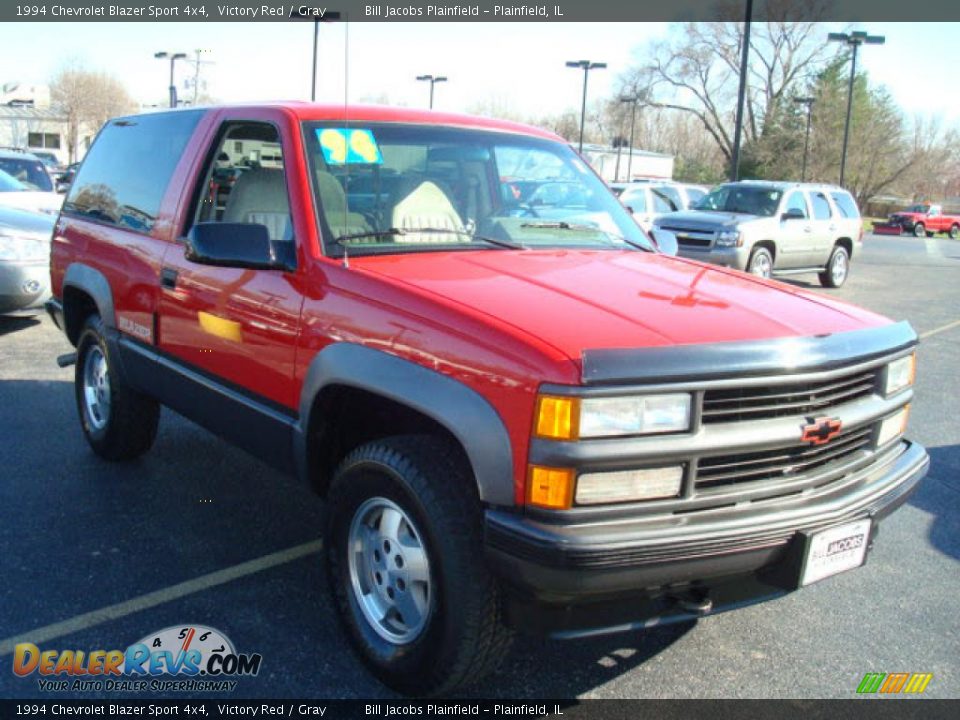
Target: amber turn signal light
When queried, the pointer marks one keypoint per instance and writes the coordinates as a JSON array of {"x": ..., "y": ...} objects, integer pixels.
[
  {"x": 558, "y": 417},
  {"x": 549, "y": 487}
]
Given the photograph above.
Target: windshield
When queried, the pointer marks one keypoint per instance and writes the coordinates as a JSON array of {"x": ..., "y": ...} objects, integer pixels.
[
  {"x": 923, "y": 209},
  {"x": 416, "y": 188},
  {"x": 9, "y": 183},
  {"x": 762, "y": 201},
  {"x": 28, "y": 172}
]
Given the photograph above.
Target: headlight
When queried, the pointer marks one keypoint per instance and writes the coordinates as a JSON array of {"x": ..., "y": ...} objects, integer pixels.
[
  {"x": 894, "y": 426},
  {"x": 629, "y": 485},
  {"x": 17, "y": 248},
  {"x": 900, "y": 374},
  {"x": 641, "y": 415},
  {"x": 729, "y": 238},
  {"x": 570, "y": 418}
]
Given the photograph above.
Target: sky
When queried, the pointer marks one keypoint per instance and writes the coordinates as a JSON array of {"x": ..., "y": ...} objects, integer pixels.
[{"x": 515, "y": 65}]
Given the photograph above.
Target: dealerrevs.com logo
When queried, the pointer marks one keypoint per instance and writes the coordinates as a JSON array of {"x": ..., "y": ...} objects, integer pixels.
[{"x": 188, "y": 658}]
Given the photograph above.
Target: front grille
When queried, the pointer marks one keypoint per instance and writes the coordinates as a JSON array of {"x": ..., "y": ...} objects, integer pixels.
[
  {"x": 687, "y": 241},
  {"x": 779, "y": 463},
  {"x": 772, "y": 401}
]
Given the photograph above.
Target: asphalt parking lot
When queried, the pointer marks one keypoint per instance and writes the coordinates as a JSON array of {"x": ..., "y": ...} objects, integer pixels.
[{"x": 94, "y": 555}]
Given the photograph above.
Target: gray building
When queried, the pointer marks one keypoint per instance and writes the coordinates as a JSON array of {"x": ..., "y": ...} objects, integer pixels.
[
  {"x": 34, "y": 128},
  {"x": 645, "y": 164}
]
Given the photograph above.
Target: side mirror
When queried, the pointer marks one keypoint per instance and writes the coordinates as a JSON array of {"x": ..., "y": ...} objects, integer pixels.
[
  {"x": 240, "y": 245},
  {"x": 793, "y": 214},
  {"x": 666, "y": 241}
]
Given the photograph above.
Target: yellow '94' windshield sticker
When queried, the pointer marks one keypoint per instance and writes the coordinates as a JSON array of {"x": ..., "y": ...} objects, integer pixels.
[{"x": 342, "y": 146}]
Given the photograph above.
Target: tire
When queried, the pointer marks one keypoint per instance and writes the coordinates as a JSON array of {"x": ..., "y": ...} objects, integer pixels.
[
  {"x": 118, "y": 422},
  {"x": 954, "y": 232},
  {"x": 838, "y": 268},
  {"x": 919, "y": 230},
  {"x": 452, "y": 634},
  {"x": 760, "y": 263}
]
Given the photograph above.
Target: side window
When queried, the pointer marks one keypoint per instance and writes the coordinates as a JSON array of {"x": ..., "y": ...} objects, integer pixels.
[
  {"x": 672, "y": 195},
  {"x": 845, "y": 205},
  {"x": 245, "y": 181},
  {"x": 636, "y": 199},
  {"x": 661, "y": 201},
  {"x": 821, "y": 206},
  {"x": 796, "y": 201},
  {"x": 127, "y": 170}
]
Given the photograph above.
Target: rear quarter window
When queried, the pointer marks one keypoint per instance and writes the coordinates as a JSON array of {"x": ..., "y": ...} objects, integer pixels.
[
  {"x": 127, "y": 170},
  {"x": 845, "y": 204}
]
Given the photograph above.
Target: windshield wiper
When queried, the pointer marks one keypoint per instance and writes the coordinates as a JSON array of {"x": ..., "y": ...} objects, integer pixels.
[
  {"x": 344, "y": 240},
  {"x": 579, "y": 227}
]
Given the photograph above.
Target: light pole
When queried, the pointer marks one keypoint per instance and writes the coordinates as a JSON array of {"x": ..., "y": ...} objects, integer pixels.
[
  {"x": 854, "y": 40},
  {"x": 808, "y": 101},
  {"x": 741, "y": 93},
  {"x": 587, "y": 66},
  {"x": 329, "y": 16},
  {"x": 634, "y": 100},
  {"x": 173, "y": 59},
  {"x": 433, "y": 81}
]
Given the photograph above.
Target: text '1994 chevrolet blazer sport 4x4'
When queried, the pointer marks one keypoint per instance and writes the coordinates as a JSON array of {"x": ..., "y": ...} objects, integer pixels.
[{"x": 522, "y": 417}]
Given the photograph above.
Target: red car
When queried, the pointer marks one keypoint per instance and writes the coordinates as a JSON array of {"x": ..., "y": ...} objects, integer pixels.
[
  {"x": 922, "y": 221},
  {"x": 524, "y": 417}
]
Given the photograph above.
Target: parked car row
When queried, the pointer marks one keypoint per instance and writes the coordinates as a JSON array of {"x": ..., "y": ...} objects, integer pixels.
[
  {"x": 766, "y": 228},
  {"x": 24, "y": 260}
]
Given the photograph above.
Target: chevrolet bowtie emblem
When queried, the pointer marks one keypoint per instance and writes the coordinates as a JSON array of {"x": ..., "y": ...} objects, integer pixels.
[{"x": 821, "y": 430}]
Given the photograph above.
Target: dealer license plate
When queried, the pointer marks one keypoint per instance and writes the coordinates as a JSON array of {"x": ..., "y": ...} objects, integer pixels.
[{"x": 835, "y": 550}]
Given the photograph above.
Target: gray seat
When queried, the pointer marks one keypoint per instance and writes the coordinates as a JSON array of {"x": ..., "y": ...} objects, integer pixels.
[
  {"x": 260, "y": 196},
  {"x": 427, "y": 206},
  {"x": 335, "y": 207}
]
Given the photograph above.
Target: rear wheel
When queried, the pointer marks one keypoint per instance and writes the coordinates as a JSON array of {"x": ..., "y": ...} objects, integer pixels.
[
  {"x": 118, "y": 422},
  {"x": 954, "y": 232},
  {"x": 761, "y": 263},
  {"x": 837, "y": 268},
  {"x": 919, "y": 230},
  {"x": 405, "y": 564}
]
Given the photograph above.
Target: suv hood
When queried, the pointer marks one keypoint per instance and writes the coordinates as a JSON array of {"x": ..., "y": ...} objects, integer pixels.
[
  {"x": 577, "y": 300},
  {"x": 703, "y": 220}
]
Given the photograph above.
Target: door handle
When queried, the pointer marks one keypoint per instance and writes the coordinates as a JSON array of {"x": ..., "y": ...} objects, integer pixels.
[
  {"x": 168, "y": 278},
  {"x": 808, "y": 229}
]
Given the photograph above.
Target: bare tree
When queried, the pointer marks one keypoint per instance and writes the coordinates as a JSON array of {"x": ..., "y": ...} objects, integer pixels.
[
  {"x": 696, "y": 71},
  {"x": 87, "y": 99}
]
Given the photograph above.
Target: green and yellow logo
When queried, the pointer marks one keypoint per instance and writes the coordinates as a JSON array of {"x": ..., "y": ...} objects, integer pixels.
[{"x": 893, "y": 683}]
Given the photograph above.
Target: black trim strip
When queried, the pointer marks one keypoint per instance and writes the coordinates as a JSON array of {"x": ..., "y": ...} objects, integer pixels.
[
  {"x": 738, "y": 359},
  {"x": 229, "y": 390}
]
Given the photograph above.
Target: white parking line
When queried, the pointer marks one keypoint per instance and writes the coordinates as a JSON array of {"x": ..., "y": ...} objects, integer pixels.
[
  {"x": 159, "y": 597},
  {"x": 937, "y": 331}
]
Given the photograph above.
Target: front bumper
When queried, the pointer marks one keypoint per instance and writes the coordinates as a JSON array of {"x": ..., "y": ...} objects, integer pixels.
[
  {"x": 617, "y": 574},
  {"x": 24, "y": 287},
  {"x": 731, "y": 257}
]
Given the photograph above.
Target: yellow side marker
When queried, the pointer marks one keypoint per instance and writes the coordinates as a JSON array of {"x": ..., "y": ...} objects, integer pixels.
[{"x": 220, "y": 327}]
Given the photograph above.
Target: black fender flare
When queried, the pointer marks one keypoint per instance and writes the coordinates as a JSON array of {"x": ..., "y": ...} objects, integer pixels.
[
  {"x": 94, "y": 283},
  {"x": 466, "y": 414}
]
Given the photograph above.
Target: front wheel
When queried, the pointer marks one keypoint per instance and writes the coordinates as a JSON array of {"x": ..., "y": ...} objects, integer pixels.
[
  {"x": 837, "y": 268},
  {"x": 405, "y": 565},
  {"x": 919, "y": 230},
  {"x": 761, "y": 263},
  {"x": 118, "y": 422}
]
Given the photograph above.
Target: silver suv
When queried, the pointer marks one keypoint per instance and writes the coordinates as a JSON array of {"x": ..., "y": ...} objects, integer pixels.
[{"x": 772, "y": 228}]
